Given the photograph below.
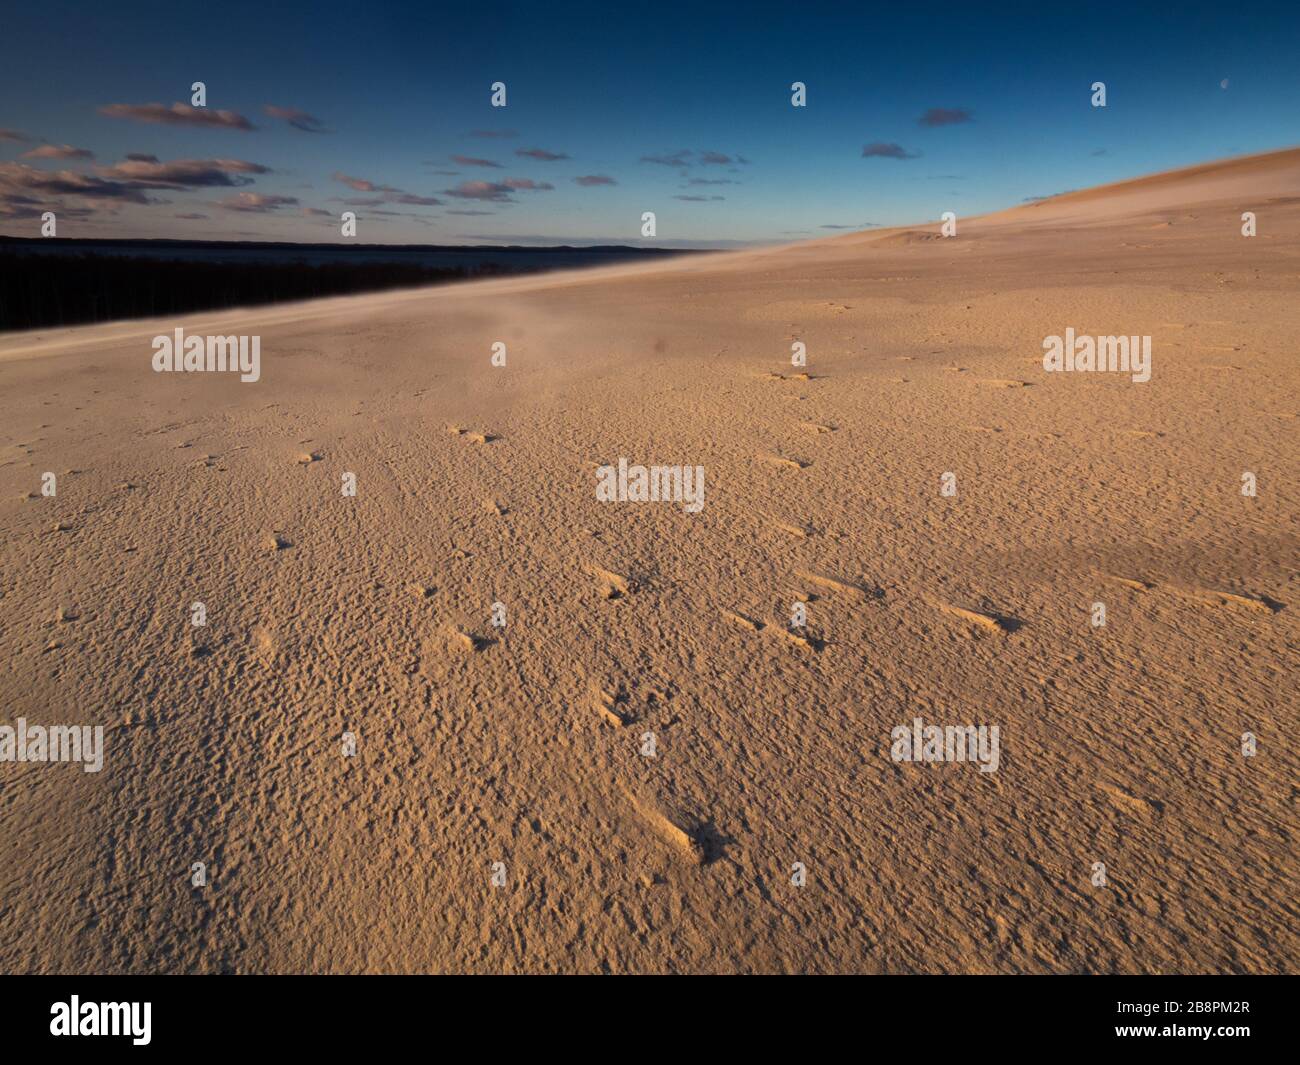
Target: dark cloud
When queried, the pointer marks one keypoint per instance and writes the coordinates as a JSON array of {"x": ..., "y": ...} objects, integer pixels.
[
  {"x": 296, "y": 118},
  {"x": 18, "y": 208},
  {"x": 860, "y": 225},
  {"x": 587, "y": 180},
  {"x": 497, "y": 191},
  {"x": 14, "y": 135},
  {"x": 946, "y": 116},
  {"x": 490, "y": 191},
  {"x": 469, "y": 160},
  {"x": 540, "y": 154},
  {"x": 880, "y": 150},
  {"x": 192, "y": 217},
  {"x": 16, "y": 180},
  {"x": 58, "y": 151},
  {"x": 182, "y": 173},
  {"x": 178, "y": 115},
  {"x": 141, "y": 157}
]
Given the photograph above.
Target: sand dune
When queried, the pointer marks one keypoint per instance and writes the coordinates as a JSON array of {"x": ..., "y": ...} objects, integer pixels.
[{"x": 525, "y": 745}]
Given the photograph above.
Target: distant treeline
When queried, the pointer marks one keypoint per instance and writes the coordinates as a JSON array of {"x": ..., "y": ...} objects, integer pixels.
[{"x": 53, "y": 289}]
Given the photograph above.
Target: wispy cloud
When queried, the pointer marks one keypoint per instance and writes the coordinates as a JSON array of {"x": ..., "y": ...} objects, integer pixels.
[
  {"x": 699, "y": 199},
  {"x": 469, "y": 160},
  {"x": 296, "y": 118},
  {"x": 255, "y": 202},
  {"x": 946, "y": 116},
  {"x": 684, "y": 158},
  {"x": 882, "y": 150},
  {"x": 14, "y": 135},
  {"x": 360, "y": 184},
  {"x": 540, "y": 154},
  {"x": 385, "y": 193},
  {"x": 679, "y": 158},
  {"x": 588, "y": 180},
  {"x": 178, "y": 115},
  {"x": 58, "y": 151}
]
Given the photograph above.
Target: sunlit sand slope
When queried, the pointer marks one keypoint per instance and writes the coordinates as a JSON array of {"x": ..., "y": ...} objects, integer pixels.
[{"x": 1120, "y": 745}]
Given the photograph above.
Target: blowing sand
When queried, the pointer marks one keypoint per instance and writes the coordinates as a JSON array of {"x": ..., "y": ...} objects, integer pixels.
[{"x": 524, "y": 745}]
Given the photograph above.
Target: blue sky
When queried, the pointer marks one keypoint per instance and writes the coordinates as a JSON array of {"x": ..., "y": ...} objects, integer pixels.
[{"x": 397, "y": 91}]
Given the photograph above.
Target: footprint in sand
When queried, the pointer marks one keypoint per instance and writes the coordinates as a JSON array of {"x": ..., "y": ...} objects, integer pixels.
[
  {"x": 612, "y": 707},
  {"x": 613, "y": 585},
  {"x": 1259, "y": 603},
  {"x": 1130, "y": 803},
  {"x": 791, "y": 464},
  {"x": 468, "y": 641},
  {"x": 743, "y": 621},
  {"x": 476, "y": 437},
  {"x": 840, "y": 585},
  {"x": 1129, "y": 582},
  {"x": 800, "y": 638},
  {"x": 276, "y": 541},
  {"x": 988, "y": 622},
  {"x": 685, "y": 844},
  {"x": 802, "y": 532},
  {"x": 264, "y": 645}
]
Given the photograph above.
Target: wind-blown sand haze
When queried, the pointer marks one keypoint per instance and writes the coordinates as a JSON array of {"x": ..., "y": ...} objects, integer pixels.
[{"x": 477, "y": 744}]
